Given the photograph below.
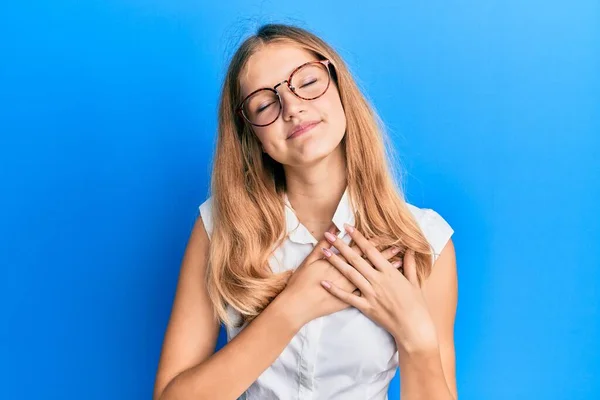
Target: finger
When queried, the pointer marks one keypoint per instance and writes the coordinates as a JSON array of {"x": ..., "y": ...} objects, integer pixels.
[
  {"x": 379, "y": 262},
  {"x": 355, "y": 248},
  {"x": 387, "y": 254},
  {"x": 316, "y": 252},
  {"x": 360, "y": 252},
  {"x": 353, "y": 259},
  {"x": 351, "y": 273},
  {"x": 390, "y": 252},
  {"x": 410, "y": 267},
  {"x": 397, "y": 264},
  {"x": 358, "y": 302}
]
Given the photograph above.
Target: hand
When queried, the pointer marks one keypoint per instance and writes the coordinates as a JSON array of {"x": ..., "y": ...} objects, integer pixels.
[
  {"x": 304, "y": 291},
  {"x": 388, "y": 253},
  {"x": 392, "y": 299}
]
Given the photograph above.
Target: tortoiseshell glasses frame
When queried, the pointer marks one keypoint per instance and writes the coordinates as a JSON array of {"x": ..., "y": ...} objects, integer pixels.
[{"x": 326, "y": 63}]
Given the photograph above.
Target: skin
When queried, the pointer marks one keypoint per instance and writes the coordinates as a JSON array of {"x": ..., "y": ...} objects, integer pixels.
[
  {"x": 314, "y": 163},
  {"x": 420, "y": 318},
  {"x": 314, "y": 166}
]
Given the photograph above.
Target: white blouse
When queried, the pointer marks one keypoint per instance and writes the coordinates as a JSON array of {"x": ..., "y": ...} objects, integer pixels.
[{"x": 343, "y": 355}]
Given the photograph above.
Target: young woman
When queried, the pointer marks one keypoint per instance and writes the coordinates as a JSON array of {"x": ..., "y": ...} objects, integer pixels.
[{"x": 326, "y": 279}]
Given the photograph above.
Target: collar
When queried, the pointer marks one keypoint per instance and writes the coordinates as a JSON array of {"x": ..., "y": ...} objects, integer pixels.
[{"x": 298, "y": 233}]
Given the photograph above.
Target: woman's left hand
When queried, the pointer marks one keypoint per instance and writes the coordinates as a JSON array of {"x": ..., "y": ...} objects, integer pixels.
[{"x": 388, "y": 297}]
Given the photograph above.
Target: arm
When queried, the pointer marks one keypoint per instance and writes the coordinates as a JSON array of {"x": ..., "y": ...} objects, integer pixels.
[
  {"x": 431, "y": 373},
  {"x": 188, "y": 369}
]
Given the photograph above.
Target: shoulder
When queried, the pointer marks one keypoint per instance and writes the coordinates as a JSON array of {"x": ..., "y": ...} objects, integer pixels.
[
  {"x": 206, "y": 213},
  {"x": 436, "y": 229}
]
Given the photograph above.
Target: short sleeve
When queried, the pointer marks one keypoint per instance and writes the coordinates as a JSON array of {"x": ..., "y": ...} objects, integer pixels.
[
  {"x": 436, "y": 229},
  {"x": 207, "y": 215}
]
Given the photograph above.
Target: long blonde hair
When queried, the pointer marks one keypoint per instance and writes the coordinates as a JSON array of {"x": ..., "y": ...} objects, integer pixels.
[{"x": 247, "y": 187}]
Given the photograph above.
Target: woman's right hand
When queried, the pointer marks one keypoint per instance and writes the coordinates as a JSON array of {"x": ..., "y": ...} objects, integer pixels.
[{"x": 306, "y": 297}]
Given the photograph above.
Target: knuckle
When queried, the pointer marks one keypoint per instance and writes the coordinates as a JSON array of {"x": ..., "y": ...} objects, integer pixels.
[
  {"x": 354, "y": 259},
  {"x": 358, "y": 250},
  {"x": 377, "y": 289},
  {"x": 371, "y": 252},
  {"x": 341, "y": 269},
  {"x": 354, "y": 273},
  {"x": 344, "y": 269},
  {"x": 370, "y": 292},
  {"x": 389, "y": 273}
]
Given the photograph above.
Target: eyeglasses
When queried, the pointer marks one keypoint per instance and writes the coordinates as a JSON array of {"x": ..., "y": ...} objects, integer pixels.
[{"x": 308, "y": 82}]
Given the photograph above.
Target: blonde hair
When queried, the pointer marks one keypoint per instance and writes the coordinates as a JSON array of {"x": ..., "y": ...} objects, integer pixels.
[{"x": 247, "y": 187}]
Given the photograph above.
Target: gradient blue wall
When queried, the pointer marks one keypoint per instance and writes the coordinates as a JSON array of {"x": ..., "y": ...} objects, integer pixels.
[{"x": 107, "y": 121}]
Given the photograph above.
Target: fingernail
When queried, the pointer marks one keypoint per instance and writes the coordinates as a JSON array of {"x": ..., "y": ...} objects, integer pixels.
[
  {"x": 395, "y": 250},
  {"x": 326, "y": 284},
  {"x": 330, "y": 237},
  {"x": 327, "y": 252},
  {"x": 396, "y": 264},
  {"x": 348, "y": 228}
]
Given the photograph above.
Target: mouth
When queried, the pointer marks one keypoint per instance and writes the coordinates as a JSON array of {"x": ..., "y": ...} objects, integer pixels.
[{"x": 303, "y": 129}]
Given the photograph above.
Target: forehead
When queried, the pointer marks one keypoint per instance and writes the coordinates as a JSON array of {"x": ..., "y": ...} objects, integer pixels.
[{"x": 270, "y": 65}]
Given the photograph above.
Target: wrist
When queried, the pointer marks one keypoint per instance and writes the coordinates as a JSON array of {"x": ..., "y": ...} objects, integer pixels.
[
  {"x": 425, "y": 345},
  {"x": 419, "y": 339},
  {"x": 289, "y": 310},
  {"x": 418, "y": 350}
]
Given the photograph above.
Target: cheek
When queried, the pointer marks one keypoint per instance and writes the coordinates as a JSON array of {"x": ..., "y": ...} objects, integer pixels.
[
  {"x": 333, "y": 110},
  {"x": 259, "y": 134},
  {"x": 265, "y": 135}
]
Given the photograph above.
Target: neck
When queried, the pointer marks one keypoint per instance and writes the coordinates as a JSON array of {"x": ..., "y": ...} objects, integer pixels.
[{"x": 315, "y": 191}]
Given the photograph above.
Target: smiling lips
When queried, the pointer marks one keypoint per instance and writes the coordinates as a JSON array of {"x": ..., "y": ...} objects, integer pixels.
[{"x": 302, "y": 128}]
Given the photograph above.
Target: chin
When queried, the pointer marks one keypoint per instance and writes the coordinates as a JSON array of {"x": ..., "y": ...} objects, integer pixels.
[{"x": 314, "y": 152}]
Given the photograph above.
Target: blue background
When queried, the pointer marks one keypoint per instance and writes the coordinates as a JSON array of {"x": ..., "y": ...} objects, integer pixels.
[{"x": 107, "y": 122}]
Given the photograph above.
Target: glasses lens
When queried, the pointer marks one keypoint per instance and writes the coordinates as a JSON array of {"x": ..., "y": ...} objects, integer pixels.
[
  {"x": 311, "y": 81},
  {"x": 262, "y": 107}
]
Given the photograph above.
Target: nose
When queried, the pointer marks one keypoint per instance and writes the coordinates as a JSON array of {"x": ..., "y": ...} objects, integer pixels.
[{"x": 290, "y": 103}]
